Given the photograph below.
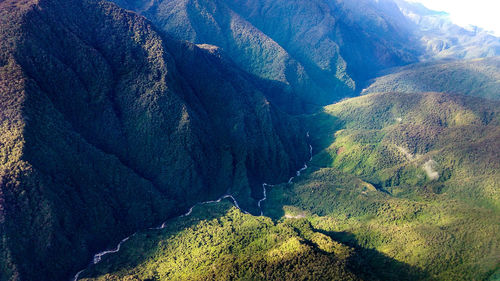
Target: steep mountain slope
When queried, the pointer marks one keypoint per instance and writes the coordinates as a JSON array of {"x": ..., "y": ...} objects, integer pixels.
[
  {"x": 107, "y": 127},
  {"x": 320, "y": 49},
  {"x": 477, "y": 77}
]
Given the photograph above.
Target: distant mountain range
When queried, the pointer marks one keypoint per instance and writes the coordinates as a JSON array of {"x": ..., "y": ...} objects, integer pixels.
[
  {"x": 442, "y": 39},
  {"x": 305, "y": 45},
  {"x": 309, "y": 46}
]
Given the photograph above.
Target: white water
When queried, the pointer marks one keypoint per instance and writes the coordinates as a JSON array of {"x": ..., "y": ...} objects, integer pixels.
[
  {"x": 264, "y": 185},
  {"x": 78, "y": 275},
  {"x": 98, "y": 257},
  {"x": 264, "y": 197}
]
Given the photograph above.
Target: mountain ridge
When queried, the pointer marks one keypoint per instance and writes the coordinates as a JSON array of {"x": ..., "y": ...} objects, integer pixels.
[{"x": 475, "y": 77}]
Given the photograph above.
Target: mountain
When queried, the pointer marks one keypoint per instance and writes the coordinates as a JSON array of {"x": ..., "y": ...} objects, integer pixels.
[
  {"x": 319, "y": 49},
  {"x": 476, "y": 77},
  {"x": 221, "y": 243},
  {"x": 396, "y": 139},
  {"x": 109, "y": 126}
]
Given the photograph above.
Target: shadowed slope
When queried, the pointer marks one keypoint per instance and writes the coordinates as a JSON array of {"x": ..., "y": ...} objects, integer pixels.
[
  {"x": 320, "y": 50},
  {"x": 105, "y": 130}
]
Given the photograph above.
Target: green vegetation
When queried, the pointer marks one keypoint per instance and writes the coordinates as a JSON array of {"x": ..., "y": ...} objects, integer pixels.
[
  {"x": 371, "y": 194},
  {"x": 478, "y": 77},
  {"x": 106, "y": 127},
  {"x": 109, "y": 126},
  {"x": 446, "y": 226},
  {"x": 218, "y": 242},
  {"x": 447, "y": 238},
  {"x": 319, "y": 50},
  {"x": 397, "y": 139}
]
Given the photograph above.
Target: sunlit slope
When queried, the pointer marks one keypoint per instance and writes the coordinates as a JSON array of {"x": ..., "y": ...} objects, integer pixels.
[
  {"x": 431, "y": 139},
  {"x": 218, "y": 242},
  {"x": 403, "y": 187},
  {"x": 414, "y": 176},
  {"x": 478, "y": 77}
]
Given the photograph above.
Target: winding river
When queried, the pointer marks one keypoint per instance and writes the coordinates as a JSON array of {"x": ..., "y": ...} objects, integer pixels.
[{"x": 98, "y": 257}]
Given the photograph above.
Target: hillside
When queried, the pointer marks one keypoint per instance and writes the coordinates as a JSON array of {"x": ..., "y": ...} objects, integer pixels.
[
  {"x": 477, "y": 77},
  {"x": 413, "y": 176},
  {"x": 320, "y": 50},
  {"x": 108, "y": 127},
  {"x": 221, "y": 140},
  {"x": 388, "y": 138},
  {"x": 217, "y": 242}
]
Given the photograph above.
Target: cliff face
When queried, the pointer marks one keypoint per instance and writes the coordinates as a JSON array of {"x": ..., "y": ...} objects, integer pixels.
[
  {"x": 108, "y": 126},
  {"x": 319, "y": 50}
]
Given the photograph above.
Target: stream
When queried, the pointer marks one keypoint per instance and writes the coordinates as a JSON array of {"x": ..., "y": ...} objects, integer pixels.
[{"x": 98, "y": 257}]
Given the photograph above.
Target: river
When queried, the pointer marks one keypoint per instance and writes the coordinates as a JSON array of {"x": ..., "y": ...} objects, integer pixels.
[{"x": 98, "y": 257}]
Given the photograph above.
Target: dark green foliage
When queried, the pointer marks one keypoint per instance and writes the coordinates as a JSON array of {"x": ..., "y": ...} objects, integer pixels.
[
  {"x": 361, "y": 194},
  {"x": 320, "y": 50},
  {"x": 414, "y": 176},
  {"x": 107, "y": 127}
]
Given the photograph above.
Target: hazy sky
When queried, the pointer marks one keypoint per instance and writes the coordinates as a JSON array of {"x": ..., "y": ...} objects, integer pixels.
[{"x": 482, "y": 13}]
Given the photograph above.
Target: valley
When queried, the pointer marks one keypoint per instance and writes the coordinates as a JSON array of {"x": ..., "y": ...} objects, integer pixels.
[{"x": 407, "y": 227}]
